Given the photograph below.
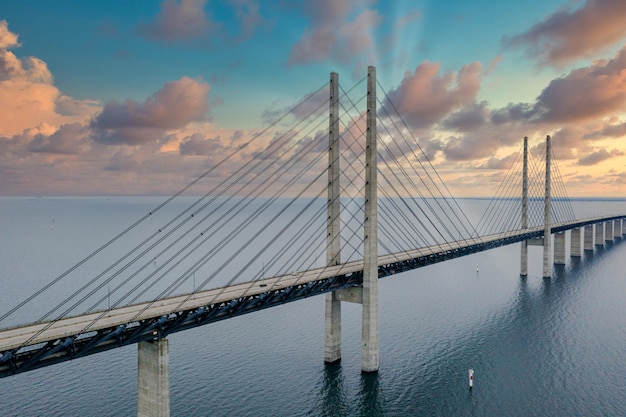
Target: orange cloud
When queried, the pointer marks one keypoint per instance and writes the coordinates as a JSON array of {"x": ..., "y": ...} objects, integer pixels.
[{"x": 28, "y": 97}]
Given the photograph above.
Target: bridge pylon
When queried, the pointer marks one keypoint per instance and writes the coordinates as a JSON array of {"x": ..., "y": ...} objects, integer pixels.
[
  {"x": 332, "y": 348},
  {"x": 546, "y": 242},
  {"x": 367, "y": 294},
  {"x": 524, "y": 254},
  {"x": 547, "y": 216}
]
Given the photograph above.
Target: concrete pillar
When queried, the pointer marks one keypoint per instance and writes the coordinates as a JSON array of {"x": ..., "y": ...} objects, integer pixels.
[
  {"x": 617, "y": 228},
  {"x": 369, "y": 335},
  {"x": 608, "y": 231},
  {"x": 547, "y": 217},
  {"x": 589, "y": 237},
  {"x": 524, "y": 252},
  {"x": 574, "y": 247},
  {"x": 559, "y": 248},
  {"x": 600, "y": 234},
  {"x": 332, "y": 339},
  {"x": 623, "y": 227},
  {"x": 153, "y": 379}
]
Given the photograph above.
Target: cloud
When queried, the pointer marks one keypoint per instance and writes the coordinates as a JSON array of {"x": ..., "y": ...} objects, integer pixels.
[
  {"x": 247, "y": 13},
  {"x": 585, "y": 93},
  {"x": 493, "y": 64},
  {"x": 198, "y": 145},
  {"x": 187, "y": 21},
  {"x": 331, "y": 36},
  {"x": 179, "y": 20},
  {"x": 314, "y": 103},
  {"x": 425, "y": 97},
  {"x": 599, "y": 156},
  {"x": 69, "y": 139},
  {"x": 469, "y": 118},
  {"x": 500, "y": 163},
  {"x": 405, "y": 20},
  {"x": 7, "y": 38},
  {"x": 28, "y": 97},
  {"x": 174, "y": 106},
  {"x": 608, "y": 131},
  {"x": 570, "y": 34},
  {"x": 470, "y": 147}
]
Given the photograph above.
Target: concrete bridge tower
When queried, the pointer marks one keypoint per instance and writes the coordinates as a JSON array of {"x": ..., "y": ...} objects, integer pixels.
[
  {"x": 546, "y": 242},
  {"x": 367, "y": 294}
]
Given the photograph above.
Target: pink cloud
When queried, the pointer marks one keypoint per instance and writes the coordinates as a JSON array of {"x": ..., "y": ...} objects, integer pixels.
[
  {"x": 188, "y": 21},
  {"x": 585, "y": 93},
  {"x": 179, "y": 20},
  {"x": 174, "y": 106},
  {"x": 331, "y": 35},
  {"x": 570, "y": 34},
  {"x": 425, "y": 97}
]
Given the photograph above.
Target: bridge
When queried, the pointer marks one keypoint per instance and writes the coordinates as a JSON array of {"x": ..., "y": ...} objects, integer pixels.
[{"x": 417, "y": 228}]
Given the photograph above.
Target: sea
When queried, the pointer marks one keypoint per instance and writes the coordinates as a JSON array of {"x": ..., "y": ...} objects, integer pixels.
[{"x": 538, "y": 347}]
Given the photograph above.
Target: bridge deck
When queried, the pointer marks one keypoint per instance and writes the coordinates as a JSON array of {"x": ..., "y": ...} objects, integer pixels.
[{"x": 34, "y": 334}]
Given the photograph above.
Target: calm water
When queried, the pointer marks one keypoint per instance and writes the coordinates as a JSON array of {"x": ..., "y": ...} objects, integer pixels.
[{"x": 538, "y": 347}]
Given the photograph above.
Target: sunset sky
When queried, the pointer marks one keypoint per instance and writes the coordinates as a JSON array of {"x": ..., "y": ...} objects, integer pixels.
[{"x": 139, "y": 96}]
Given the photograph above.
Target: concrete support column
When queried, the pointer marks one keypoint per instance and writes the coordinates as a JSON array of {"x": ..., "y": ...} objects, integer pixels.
[
  {"x": 332, "y": 339},
  {"x": 547, "y": 217},
  {"x": 559, "y": 248},
  {"x": 617, "y": 228},
  {"x": 589, "y": 237},
  {"x": 153, "y": 379},
  {"x": 608, "y": 231},
  {"x": 600, "y": 234},
  {"x": 574, "y": 247},
  {"x": 369, "y": 335},
  {"x": 524, "y": 251},
  {"x": 623, "y": 227}
]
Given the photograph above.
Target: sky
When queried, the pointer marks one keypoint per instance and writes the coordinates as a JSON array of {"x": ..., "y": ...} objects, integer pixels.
[{"x": 137, "y": 97}]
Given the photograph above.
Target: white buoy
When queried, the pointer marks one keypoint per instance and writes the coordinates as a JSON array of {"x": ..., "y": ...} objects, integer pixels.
[{"x": 471, "y": 377}]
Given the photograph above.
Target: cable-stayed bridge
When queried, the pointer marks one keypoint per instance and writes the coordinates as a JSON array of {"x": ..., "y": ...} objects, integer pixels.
[{"x": 330, "y": 197}]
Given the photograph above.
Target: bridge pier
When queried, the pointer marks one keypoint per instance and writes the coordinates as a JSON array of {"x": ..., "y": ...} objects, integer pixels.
[
  {"x": 574, "y": 247},
  {"x": 599, "y": 234},
  {"x": 547, "y": 217},
  {"x": 559, "y": 248},
  {"x": 153, "y": 379},
  {"x": 589, "y": 237},
  {"x": 617, "y": 229},
  {"x": 623, "y": 227},
  {"x": 608, "y": 231}
]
